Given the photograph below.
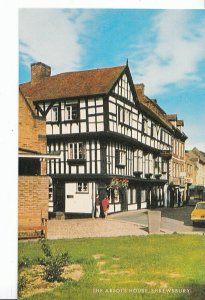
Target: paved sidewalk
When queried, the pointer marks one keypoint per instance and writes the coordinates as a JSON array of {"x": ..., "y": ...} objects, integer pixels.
[{"x": 84, "y": 228}]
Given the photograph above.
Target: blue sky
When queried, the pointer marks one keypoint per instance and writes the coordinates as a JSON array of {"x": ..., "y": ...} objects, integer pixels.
[{"x": 165, "y": 49}]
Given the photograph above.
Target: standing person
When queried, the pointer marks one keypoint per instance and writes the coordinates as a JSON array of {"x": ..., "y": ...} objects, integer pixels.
[
  {"x": 105, "y": 206},
  {"x": 97, "y": 206}
]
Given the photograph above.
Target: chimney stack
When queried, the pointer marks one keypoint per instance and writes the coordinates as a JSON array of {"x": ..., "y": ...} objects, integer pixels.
[
  {"x": 140, "y": 90},
  {"x": 39, "y": 71}
]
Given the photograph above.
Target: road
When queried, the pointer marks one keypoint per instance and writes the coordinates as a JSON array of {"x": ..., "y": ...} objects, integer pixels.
[{"x": 173, "y": 219}]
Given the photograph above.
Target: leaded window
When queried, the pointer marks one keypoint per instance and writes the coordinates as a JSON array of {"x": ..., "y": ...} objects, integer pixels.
[{"x": 76, "y": 151}]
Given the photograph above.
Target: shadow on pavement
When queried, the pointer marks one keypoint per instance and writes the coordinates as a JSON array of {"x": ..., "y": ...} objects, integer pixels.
[{"x": 182, "y": 214}]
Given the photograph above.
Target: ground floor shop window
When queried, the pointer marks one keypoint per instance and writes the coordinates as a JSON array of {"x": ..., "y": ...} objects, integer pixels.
[{"x": 114, "y": 195}]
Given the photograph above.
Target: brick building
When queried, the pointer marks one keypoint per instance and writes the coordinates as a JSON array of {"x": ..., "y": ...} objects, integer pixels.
[{"x": 32, "y": 182}]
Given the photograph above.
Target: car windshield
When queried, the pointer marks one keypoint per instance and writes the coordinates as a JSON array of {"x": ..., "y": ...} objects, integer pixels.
[{"x": 200, "y": 206}]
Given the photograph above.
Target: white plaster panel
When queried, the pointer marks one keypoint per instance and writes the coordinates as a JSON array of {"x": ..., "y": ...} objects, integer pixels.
[
  {"x": 83, "y": 114},
  {"x": 93, "y": 167},
  {"x": 100, "y": 126},
  {"x": 91, "y": 102},
  {"x": 117, "y": 207},
  {"x": 73, "y": 169},
  {"x": 99, "y": 101},
  {"x": 75, "y": 128},
  {"x": 55, "y": 129},
  {"x": 81, "y": 169},
  {"x": 98, "y": 167},
  {"x": 128, "y": 196},
  {"x": 78, "y": 202},
  {"x": 48, "y": 129},
  {"x": 144, "y": 205},
  {"x": 62, "y": 167},
  {"x": 82, "y": 103},
  {"x": 112, "y": 99},
  {"x": 48, "y": 117},
  {"x": 67, "y": 167},
  {"x": 99, "y": 110},
  {"x": 99, "y": 118},
  {"x": 65, "y": 128},
  {"x": 91, "y": 127},
  {"x": 91, "y": 111},
  {"x": 83, "y": 126},
  {"x": 112, "y": 107},
  {"x": 132, "y": 206},
  {"x": 111, "y": 208}
]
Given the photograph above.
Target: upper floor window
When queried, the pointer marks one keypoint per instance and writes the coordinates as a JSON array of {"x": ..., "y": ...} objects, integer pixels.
[
  {"x": 125, "y": 116},
  {"x": 76, "y": 151},
  {"x": 71, "y": 111},
  {"x": 145, "y": 125},
  {"x": 153, "y": 131},
  {"x": 120, "y": 156},
  {"x": 138, "y": 161},
  {"x": 54, "y": 114}
]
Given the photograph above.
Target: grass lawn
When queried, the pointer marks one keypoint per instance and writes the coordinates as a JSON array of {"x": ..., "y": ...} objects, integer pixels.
[{"x": 129, "y": 267}]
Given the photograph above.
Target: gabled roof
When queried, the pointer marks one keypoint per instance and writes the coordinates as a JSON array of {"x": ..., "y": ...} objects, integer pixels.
[{"x": 73, "y": 84}]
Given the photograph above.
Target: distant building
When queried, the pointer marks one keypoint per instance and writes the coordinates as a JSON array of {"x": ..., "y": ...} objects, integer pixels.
[
  {"x": 195, "y": 161},
  {"x": 108, "y": 141},
  {"x": 177, "y": 180}
]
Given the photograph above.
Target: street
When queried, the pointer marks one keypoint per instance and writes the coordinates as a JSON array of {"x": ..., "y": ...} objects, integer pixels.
[{"x": 173, "y": 219}]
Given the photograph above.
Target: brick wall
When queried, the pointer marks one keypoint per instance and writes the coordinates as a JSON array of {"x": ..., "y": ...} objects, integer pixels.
[
  {"x": 32, "y": 130},
  {"x": 32, "y": 199}
]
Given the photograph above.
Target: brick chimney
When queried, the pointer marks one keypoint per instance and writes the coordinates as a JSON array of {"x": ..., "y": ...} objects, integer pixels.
[
  {"x": 39, "y": 71},
  {"x": 140, "y": 90}
]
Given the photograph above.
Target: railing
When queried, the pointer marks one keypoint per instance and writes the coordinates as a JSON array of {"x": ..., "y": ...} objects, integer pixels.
[{"x": 33, "y": 231}]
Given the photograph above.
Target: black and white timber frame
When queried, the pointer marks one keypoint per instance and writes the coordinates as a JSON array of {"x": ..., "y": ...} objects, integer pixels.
[{"x": 101, "y": 137}]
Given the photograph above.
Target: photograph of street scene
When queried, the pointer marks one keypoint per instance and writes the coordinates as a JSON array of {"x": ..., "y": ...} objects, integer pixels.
[{"x": 111, "y": 154}]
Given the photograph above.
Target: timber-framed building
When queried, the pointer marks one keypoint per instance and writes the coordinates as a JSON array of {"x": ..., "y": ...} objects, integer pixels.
[{"x": 107, "y": 140}]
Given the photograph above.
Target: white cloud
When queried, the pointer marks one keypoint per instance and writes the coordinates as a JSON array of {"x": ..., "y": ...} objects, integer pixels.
[
  {"x": 170, "y": 52},
  {"x": 53, "y": 36}
]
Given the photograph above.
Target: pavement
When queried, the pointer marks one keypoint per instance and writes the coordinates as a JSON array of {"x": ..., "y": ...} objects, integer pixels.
[
  {"x": 89, "y": 228},
  {"x": 173, "y": 220},
  {"x": 130, "y": 223}
]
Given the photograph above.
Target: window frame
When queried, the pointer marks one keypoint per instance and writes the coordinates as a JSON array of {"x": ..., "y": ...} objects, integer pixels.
[
  {"x": 70, "y": 108},
  {"x": 82, "y": 184},
  {"x": 74, "y": 151}
]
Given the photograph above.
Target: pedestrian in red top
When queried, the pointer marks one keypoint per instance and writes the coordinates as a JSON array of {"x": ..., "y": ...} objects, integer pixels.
[{"x": 105, "y": 206}]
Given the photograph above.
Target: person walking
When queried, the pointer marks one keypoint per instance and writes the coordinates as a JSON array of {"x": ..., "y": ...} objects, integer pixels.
[{"x": 105, "y": 206}]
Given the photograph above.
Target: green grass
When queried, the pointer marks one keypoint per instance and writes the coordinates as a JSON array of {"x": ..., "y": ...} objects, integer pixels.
[{"x": 127, "y": 264}]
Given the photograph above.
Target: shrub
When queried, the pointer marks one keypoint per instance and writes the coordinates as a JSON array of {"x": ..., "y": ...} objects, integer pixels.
[
  {"x": 54, "y": 264},
  {"x": 21, "y": 284},
  {"x": 24, "y": 263}
]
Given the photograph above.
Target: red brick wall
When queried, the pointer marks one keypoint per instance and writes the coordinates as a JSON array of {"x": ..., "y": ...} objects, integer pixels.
[
  {"x": 32, "y": 199},
  {"x": 32, "y": 130}
]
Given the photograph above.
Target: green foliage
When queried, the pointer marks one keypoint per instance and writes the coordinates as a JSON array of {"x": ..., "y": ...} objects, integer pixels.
[
  {"x": 24, "y": 262},
  {"x": 21, "y": 284},
  {"x": 134, "y": 262},
  {"x": 54, "y": 264}
]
